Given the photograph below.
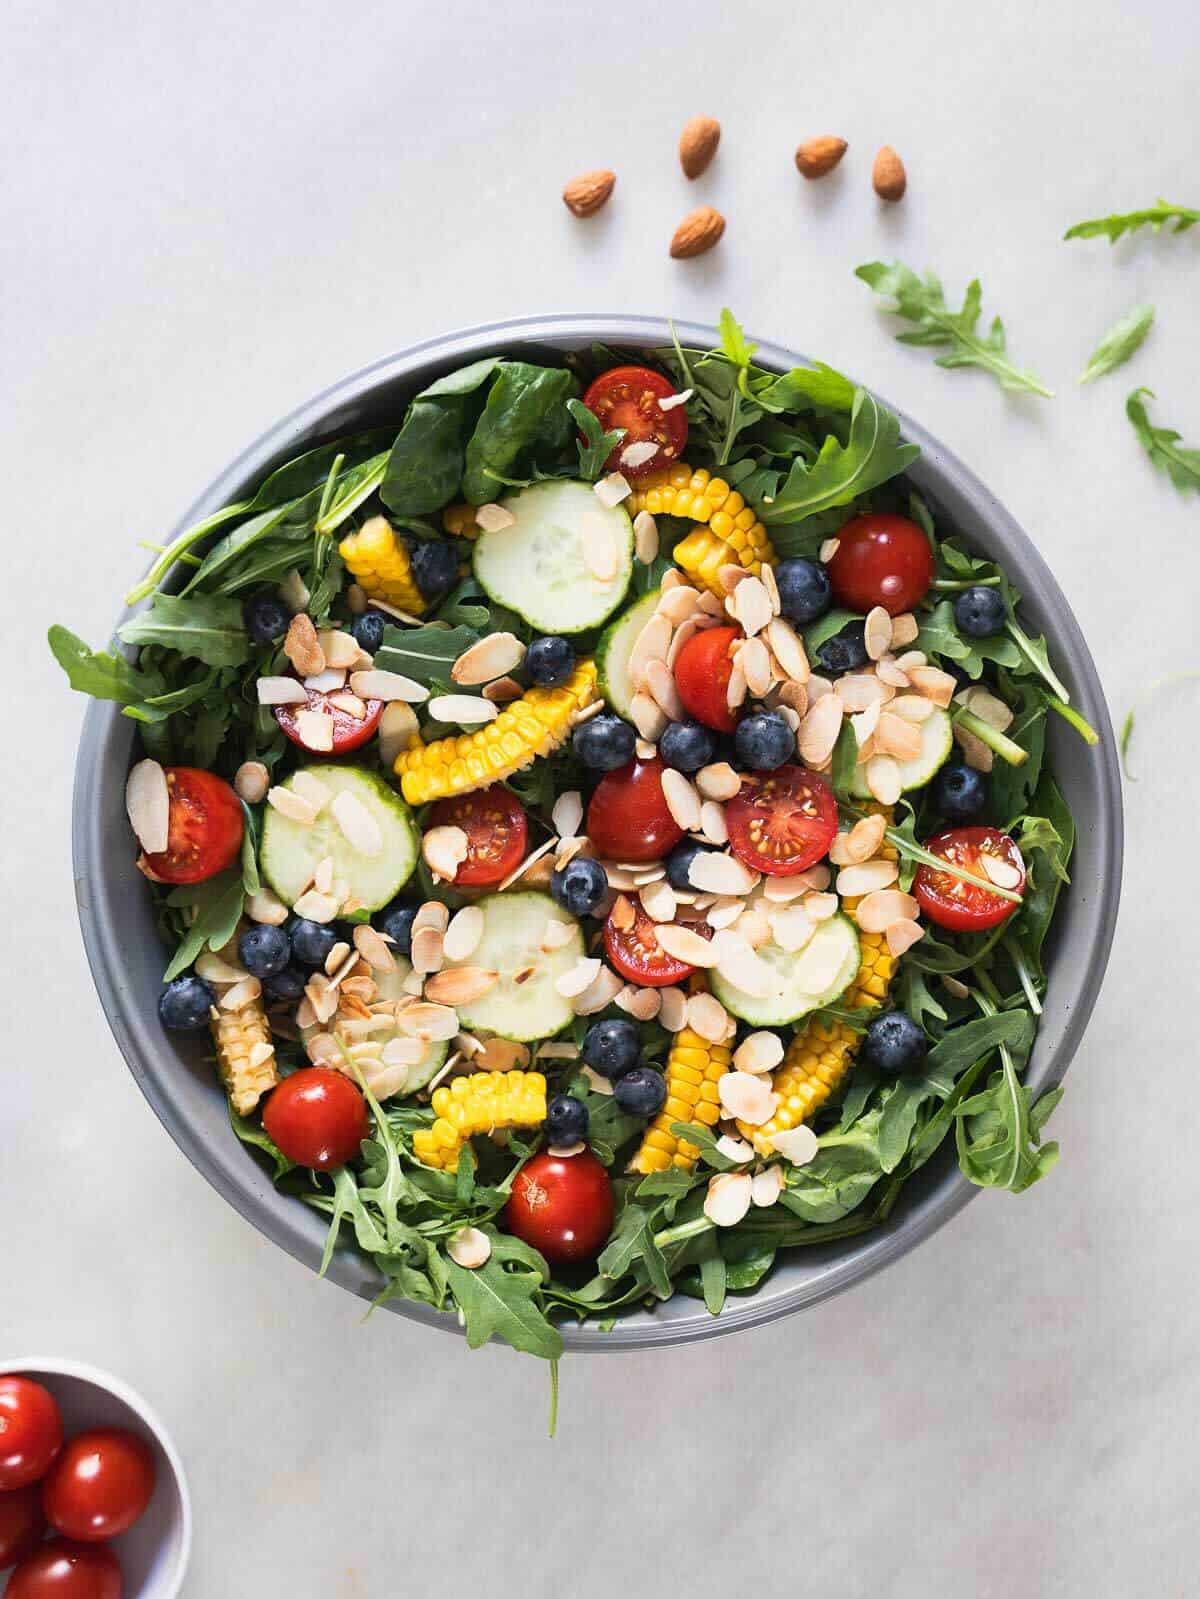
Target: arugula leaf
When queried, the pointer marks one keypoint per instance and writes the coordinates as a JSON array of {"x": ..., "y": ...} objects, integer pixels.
[
  {"x": 714, "y": 1279},
  {"x": 104, "y": 676},
  {"x": 218, "y": 907},
  {"x": 425, "y": 654},
  {"x": 998, "y": 1133},
  {"x": 525, "y": 413},
  {"x": 1130, "y": 715},
  {"x": 596, "y": 445},
  {"x": 1155, "y": 217},
  {"x": 284, "y": 526},
  {"x": 1121, "y": 341},
  {"x": 923, "y": 301},
  {"x": 497, "y": 1303},
  {"x": 1047, "y": 873},
  {"x": 840, "y": 1176},
  {"x": 735, "y": 346},
  {"x": 201, "y": 627},
  {"x": 845, "y": 759},
  {"x": 975, "y": 1040},
  {"x": 802, "y": 388},
  {"x": 254, "y": 1134},
  {"x": 872, "y": 455},
  {"x": 1182, "y": 465},
  {"x": 939, "y": 635}
]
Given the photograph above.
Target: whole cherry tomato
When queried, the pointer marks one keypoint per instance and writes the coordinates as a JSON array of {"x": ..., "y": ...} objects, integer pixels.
[
  {"x": 31, "y": 1432},
  {"x": 702, "y": 672},
  {"x": 881, "y": 560},
  {"x": 317, "y": 1117},
  {"x": 99, "y": 1485},
  {"x": 562, "y": 1205},
  {"x": 782, "y": 822},
  {"x": 628, "y": 818},
  {"x": 496, "y": 828},
  {"x": 61, "y": 1569},
  {"x": 204, "y": 828},
  {"x": 348, "y": 732},
  {"x": 637, "y": 954},
  {"x": 965, "y": 907},
  {"x": 628, "y": 397},
  {"x": 21, "y": 1523}
]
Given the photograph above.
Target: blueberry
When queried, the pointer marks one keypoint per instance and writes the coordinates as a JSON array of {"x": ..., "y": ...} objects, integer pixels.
[
  {"x": 894, "y": 1043},
  {"x": 845, "y": 651},
  {"x": 566, "y": 1120},
  {"x": 549, "y": 661},
  {"x": 580, "y": 886},
  {"x": 311, "y": 941},
  {"x": 368, "y": 630},
  {"x": 687, "y": 746},
  {"x": 287, "y": 984},
  {"x": 764, "y": 741},
  {"x": 961, "y": 793},
  {"x": 264, "y": 950},
  {"x": 434, "y": 567},
  {"x": 612, "y": 1046},
  {"x": 183, "y": 1005},
  {"x": 604, "y": 742},
  {"x": 680, "y": 859},
  {"x": 641, "y": 1092},
  {"x": 266, "y": 617},
  {"x": 805, "y": 592},
  {"x": 979, "y": 612},
  {"x": 397, "y": 923}
]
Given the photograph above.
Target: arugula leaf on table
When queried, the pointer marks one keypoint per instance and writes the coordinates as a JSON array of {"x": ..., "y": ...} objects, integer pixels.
[
  {"x": 200, "y": 627},
  {"x": 425, "y": 654},
  {"x": 525, "y": 415},
  {"x": 1121, "y": 341},
  {"x": 923, "y": 301},
  {"x": 218, "y": 907},
  {"x": 596, "y": 445},
  {"x": 102, "y": 675},
  {"x": 872, "y": 455},
  {"x": 1155, "y": 217},
  {"x": 1162, "y": 445}
]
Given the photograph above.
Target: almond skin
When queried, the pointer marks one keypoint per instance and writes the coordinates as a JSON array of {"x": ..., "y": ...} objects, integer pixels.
[
  {"x": 888, "y": 175},
  {"x": 585, "y": 194},
  {"x": 816, "y": 158},
  {"x": 698, "y": 144},
  {"x": 698, "y": 232}
]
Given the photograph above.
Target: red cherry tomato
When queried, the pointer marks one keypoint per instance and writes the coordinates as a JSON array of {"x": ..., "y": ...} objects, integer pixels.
[
  {"x": 99, "y": 1485},
  {"x": 627, "y": 397},
  {"x": 204, "y": 828},
  {"x": 64, "y": 1570},
  {"x": 562, "y": 1205},
  {"x": 496, "y": 829},
  {"x": 960, "y": 906},
  {"x": 349, "y": 732},
  {"x": 628, "y": 818},
  {"x": 21, "y": 1523},
  {"x": 637, "y": 954},
  {"x": 702, "y": 672},
  {"x": 31, "y": 1431},
  {"x": 782, "y": 822},
  {"x": 881, "y": 560},
  {"x": 317, "y": 1117}
]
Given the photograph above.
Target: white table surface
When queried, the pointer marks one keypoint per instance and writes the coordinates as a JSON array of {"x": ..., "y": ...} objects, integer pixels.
[{"x": 209, "y": 213}]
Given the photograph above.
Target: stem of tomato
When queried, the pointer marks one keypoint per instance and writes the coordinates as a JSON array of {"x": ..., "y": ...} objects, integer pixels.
[
  {"x": 1068, "y": 713},
  {"x": 992, "y": 737}
]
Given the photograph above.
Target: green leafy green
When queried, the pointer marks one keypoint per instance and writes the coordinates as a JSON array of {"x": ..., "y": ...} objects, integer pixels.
[
  {"x": 1121, "y": 341},
  {"x": 104, "y": 676},
  {"x": 526, "y": 414},
  {"x": 939, "y": 635},
  {"x": 1162, "y": 445},
  {"x": 425, "y": 654},
  {"x": 216, "y": 909},
  {"x": 203, "y": 627},
  {"x": 872, "y": 455},
  {"x": 998, "y": 1132},
  {"x": 596, "y": 445},
  {"x": 425, "y": 466},
  {"x": 1155, "y": 217}
]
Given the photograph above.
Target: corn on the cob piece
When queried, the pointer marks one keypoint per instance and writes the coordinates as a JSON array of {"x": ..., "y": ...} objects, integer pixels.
[
  {"x": 378, "y": 559},
  {"x": 531, "y": 726},
  {"x": 734, "y": 536},
  {"x": 245, "y": 1054},
  {"x": 694, "y": 1067},
  {"x": 460, "y": 520},
  {"x": 481, "y": 1103}
]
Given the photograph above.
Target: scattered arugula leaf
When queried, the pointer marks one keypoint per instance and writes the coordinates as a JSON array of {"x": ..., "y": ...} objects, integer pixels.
[
  {"x": 1121, "y": 341},
  {"x": 1162, "y": 445},
  {"x": 1155, "y": 217}
]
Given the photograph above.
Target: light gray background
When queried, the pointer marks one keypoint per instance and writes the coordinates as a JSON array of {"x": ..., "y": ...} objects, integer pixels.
[{"x": 209, "y": 212}]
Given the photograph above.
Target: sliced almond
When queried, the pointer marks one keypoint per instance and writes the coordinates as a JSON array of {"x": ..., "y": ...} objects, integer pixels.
[
  {"x": 643, "y": 1004},
  {"x": 798, "y": 1145},
  {"x": 821, "y": 906},
  {"x": 755, "y": 661},
  {"x": 750, "y": 604},
  {"x": 708, "y": 1017},
  {"x": 888, "y": 672},
  {"x": 828, "y": 550},
  {"x": 678, "y": 604},
  {"x": 336, "y": 957},
  {"x": 787, "y": 647},
  {"x": 302, "y": 648},
  {"x": 718, "y": 781},
  {"x": 556, "y": 936},
  {"x": 933, "y": 684},
  {"x": 359, "y": 828},
  {"x": 648, "y": 717},
  {"x": 373, "y": 948},
  {"x": 397, "y": 728},
  {"x": 293, "y": 592},
  {"x": 714, "y": 873},
  {"x": 340, "y": 649},
  {"x": 766, "y": 576},
  {"x": 855, "y": 881},
  {"x": 975, "y": 752},
  {"x": 661, "y": 684},
  {"x": 651, "y": 644},
  {"x": 819, "y": 730},
  {"x": 766, "y": 1187},
  {"x": 578, "y": 977},
  {"x": 388, "y": 686},
  {"x": 281, "y": 691},
  {"x": 738, "y": 963},
  {"x": 864, "y": 725},
  {"x": 469, "y": 1247},
  {"x": 428, "y": 948},
  {"x": 791, "y": 927},
  {"x": 911, "y": 659},
  {"x": 266, "y": 908},
  {"x": 735, "y": 692},
  {"x": 911, "y": 707},
  {"x": 350, "y": 704},
  {"x": 317, "y": 907},
  {"x": 1001, "y": 872},
  {"x": 683, "y": 633},
  {"x": 728, "y": 1198},
  {"x": 645, "y": 537},
  {"x": 148, "y": 805},
  {"x": 491, "y": 657},
  {"x": 493, "y": 518},
  {"x": 314, "y": 729},
  {"x": 685, "y": 945},
  {"x": 986, "y": 707},
  {"x": 672, "y": 1009},
  {"x": 953, "y": 986},
  {"x": 747, "y": 1097},
  {"x": 468, "y": 710},
  {"x": 437, "y": 1023},
  {"x": 567, "y": 813},
  {"x": 736, "y": 1149},
  {"x": 459, "y": 985},
  {"x": 712, "y": 822},
  {"x": 902, "y": 935},
  {"x": 215, "y": 969},
  {"x": 864, "y": 839},
  {"x": 328, "y": 681},
  {"x": 292, "y": 805},
  {"x": 683, "y": 801},
  {"x": 896, "y": 735},
  {"x": 599, "y": 994},
  {"x": 884, "y": 779},
  {"x": 445, "y": 849},
  {"x": 782, "y": 890},
  {"x": 658, "y": 901},
  {"x": 322, "y": 995},
  {"x": 877, "y": 631},
  {"x": 876, "y": 912},
  {"x": 905, "y": 629},
  {"x": 611, "y": 490},
  {"x": 858, "y": 691}
]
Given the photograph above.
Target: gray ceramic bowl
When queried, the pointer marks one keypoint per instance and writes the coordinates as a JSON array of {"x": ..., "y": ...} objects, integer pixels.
[{"x": 126, "y": 957}]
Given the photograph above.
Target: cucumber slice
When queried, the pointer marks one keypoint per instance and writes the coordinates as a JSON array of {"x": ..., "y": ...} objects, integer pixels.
[
  {"x": 291, "y": 852},
  {"x": 805, "y": 983},
  {"x": 937, "y": 740},
  {"x": 536, "y": 566},
  {"x": 514, "y": 926},
  {"x": 387, "y": 1081},
  {"x": 615, "y": 648}
]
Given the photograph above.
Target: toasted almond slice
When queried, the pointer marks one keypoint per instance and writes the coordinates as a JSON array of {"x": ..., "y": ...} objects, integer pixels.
[
  {"x": 328, "y": 681},
  {"x": 322, "y": 995},
  {"x": 864, "y": 725},
  {"x": 935, "y": 685},
  {"x": 736, "y": 1149},
  {"x": 493, "y": 656},
  {"x": 373, "y": 948},
  {"x": 864, "y": 839},
  {"x": 855, "y": 881},
  {"x": 750, "y": 604},
  {"x": 798, "y": 1145},
  {"x": 314, "y": 729},
  {"x": 341, "y": 649},
  {"x": 755, "y": 661},
  {"x": 714, "y": 873},
  {"x": 623, "y": 914},
  {"x": 387, "y": 686},
  {"x": 683, "y": 632},
  {"x": 148, "y": 805},
  {"x": 215, "y": 969},
  {"x": 986, "y": 707},
  {"x": 902, "y": 935},
  {"x": 359, "y": 828},
  {"x": 459, "y": 985},
  {"x": 839, "y": 851},
  {"x": 736, "y": 690},
  {"x": 683, "y": 801},
  {"x": 858, "y": 691},
  {"x": 658, "y": 901},
  {"x": 293, "y": 592},
  {"x": 642, "y": 1004},
  {"x": 468, "y": 710},
  {"x": 818, "y": 687},
  {"x": 819, "y": 730},
  {"x": 685, "y": 945},
  {"x": 461, "y": 938},
  {"x": 712, "y": 822},
  {"x": 281, "y": 691},
  {"x": 645, "y": 537},
  {"x": 397, "y": 727},
  {"x": 791, "y": 927},
  {"x": 266, "y": 908},
  {"x": 953, "y": 986},
  {"x": 782, "y": 890},
  {"x": 1001, "y": 872},
  {"x": 437, "y": 1023},
  {"x": 672, "y": 1009},
  {"x": 876, "y": 912},
  {"x": 470, "y": 1247},
  {"x": 888, "y": 672},
  {"x": 445, "y": 849},
  {"x": 896, "y": 735},
  {"x": 492, "y": 517},
  {"x": 661, "y": 684},
  {"x": 905, "y": 629},
  {"x": 709, "y": 605},
  {"x": 728, "y": 1198},
  {"x": 911, "y": 707},
  {"x": 292, "y": 805},
  {"x": 432, "y": 913},
  {"x": 766, "y": 574},
  {"x": 350, "y": 704},
  {"x": 648, "y": 717},
  {"x": 739, "y": 964},
  {"x": 911, "y": 659},
  {"x": 708, "y": 1017},
  {"x": 729, "y": 576},
  {"x": 316, "y": 907},
  {"x": 787, "y": 647},
  {"x": 301, "y": 647},
  {"x": 611, "y": 490},
  {"x": 578, "y": 977},
  {"x": 747, "y": 1097},
  {"x": 821, "y": 906},
  {"x": 975, "y": 752},
  {"x": 877, "y": 631},
  {"x": 241, "y": 994},
  {"x": 428, "y": 949},
  {"x": 718, "y": 781},
  {"x": 766, "y": 1186},
  {"x": 828, "y": 550},
  {"x": 884, "y": 779},
  {"x": 599, "y": 994}
]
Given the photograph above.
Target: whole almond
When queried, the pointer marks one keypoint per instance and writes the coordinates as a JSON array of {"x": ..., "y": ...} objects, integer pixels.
[
  {"x": 697, "y": 233},
  {"x": 698, "y": 144},
  {"x": 888, "y": 175},
  {"x": 816, "y": 158},
  {"x": 588, "y": 192}
]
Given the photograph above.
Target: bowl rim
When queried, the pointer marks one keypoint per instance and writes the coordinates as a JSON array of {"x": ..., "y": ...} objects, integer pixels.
[{"x": 243, "y": 1182}]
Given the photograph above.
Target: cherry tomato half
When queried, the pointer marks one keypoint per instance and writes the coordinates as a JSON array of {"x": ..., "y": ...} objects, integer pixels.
[
  {"x": 317, "y": 1117},
  {"x": 349, "y": 732},
  {"x": 562, "y": 1205},
  {"x": 31, "y": 1432},
  {"x": 702, "y": 672},
  {"x": 881, "y": 560},
  {"x": 496, "y": 829},
  {"x": 627, "y": 397},
  {"x": 61, "y": 1569},
  {"x": 782, "y": 822},
  {"x": 627, "y": 816},
  {"x": 960, "y": 906},
  {"x": 204, "y": 828},
  {"x": 637, "y": 954},
  {"x": 99, "y": 1485},
  {"x": 21, "y": 1523}
]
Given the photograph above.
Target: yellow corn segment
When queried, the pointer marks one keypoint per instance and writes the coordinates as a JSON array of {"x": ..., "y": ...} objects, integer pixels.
[
  {"x": 460, "y": 520},
  {"x": 481, "y": 1103},
  {"x": 245, "y": 1054},
  {"x": 694, "y": 1067},
  {"x": 531, "y": 726},
  {"x": 379, "y": 562},
  {"x": 734, "y": 536}
]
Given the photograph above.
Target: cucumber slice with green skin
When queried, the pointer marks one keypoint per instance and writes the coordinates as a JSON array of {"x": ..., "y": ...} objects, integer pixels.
[
  {"x": 514, "y": 926},
  {"x": 387, "y": 1081},
  {"x": 614, "y": 650},
  {"x": 937, "y": 740},
  {"x": 291, "y": 852},
  {"x": 805, "y": 983},
  {"x": 536, "y": 566}
]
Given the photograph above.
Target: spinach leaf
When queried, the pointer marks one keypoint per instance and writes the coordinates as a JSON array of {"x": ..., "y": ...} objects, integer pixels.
[
  {"x": 525, "y": 413},
  {"x": 1121, "y": 341},
  {"x": 425, "y": 466},
  {"x": 1162, "y": 445},
  {"x": 201, "y": 627},
  {"x": 841, "y": 1174},
  {"x": 292, "y": 522},
  {"x": 872, "y": 455},
  {"x": 845, "y": 759},
  {"x": 104, "y": 676}
]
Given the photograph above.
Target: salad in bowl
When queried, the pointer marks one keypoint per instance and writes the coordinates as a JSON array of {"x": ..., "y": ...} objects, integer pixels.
[{"x": 602, "y": 824}]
